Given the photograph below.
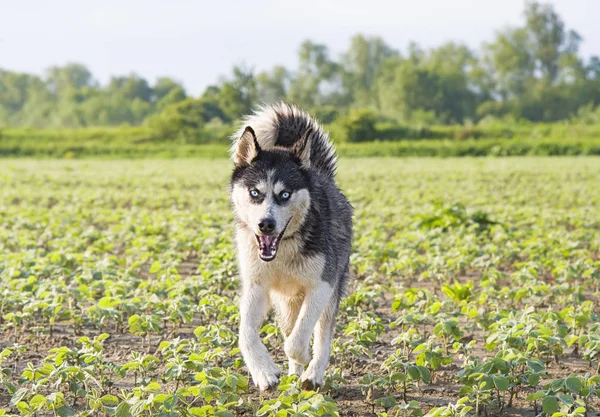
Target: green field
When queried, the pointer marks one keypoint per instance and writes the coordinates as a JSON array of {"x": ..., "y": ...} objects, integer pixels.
[
  {"x": 475, "y": 290},
  {"x": 127, "y": 142}
]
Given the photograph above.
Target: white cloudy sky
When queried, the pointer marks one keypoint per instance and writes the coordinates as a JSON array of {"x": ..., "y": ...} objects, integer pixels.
[{"x": 196, "y": 41}]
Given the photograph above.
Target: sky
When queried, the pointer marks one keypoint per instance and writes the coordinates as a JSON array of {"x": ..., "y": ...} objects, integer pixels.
[{"x": 196, "y": 42}]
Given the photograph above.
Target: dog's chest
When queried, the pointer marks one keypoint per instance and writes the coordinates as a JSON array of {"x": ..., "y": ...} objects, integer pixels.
[{"x": 295, "y": 274}]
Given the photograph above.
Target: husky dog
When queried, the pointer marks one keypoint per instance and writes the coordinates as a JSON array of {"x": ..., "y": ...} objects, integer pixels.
[{"x": 293, "y": 231}]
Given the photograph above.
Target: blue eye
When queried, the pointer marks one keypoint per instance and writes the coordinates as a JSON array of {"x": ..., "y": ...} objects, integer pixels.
[
  {"x": 285, "y": 195},
  {"x": 253, "y": 193}
]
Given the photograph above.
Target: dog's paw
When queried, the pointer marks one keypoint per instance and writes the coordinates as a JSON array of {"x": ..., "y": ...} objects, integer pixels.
[
  {"x": 312, "y": 380},
  {"x": 266, "y": 379},
  {"x": 308, "y": 385},
  {"x": 297, "y": 351}
]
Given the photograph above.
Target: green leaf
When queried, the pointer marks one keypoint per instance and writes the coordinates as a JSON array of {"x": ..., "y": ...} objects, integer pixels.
[
  {"x": 425, "y": 374},
  {"x": 533, "y": 380},
  {"x": 398, "y": 377},
  {"x": 488, "y": 383},
  {"x": 23, "y": 407},
  {"x": 574, "y": 384},
  {"x": 203, "y": 411},
  {"x": 65, "y": 411},
  {"x": 123, "y": 410},
  {"x": 155, "y": 267},
  {"x": 413, "y": 372},
  {"x": 501, "y": 382},
  {"x": 567, "y": 399},
  {"x": 109, "y": 400},
  {"x": 160, "y": 398},
  {"x": 153, "y": 387},
  {"x": 170, "y": 402},
  {"x": 18, "y": 396},
  {"x": 264, "y": 410},
  {"x": 535, "y": 397},
  {"x": 550, "y": 405},
  {"x": 37, "y": 401}
]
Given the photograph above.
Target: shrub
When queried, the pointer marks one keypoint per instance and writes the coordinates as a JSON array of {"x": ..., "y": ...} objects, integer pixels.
[{"x": 357, "y": 126}]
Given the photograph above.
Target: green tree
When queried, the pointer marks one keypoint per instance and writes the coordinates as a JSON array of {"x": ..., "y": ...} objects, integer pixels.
[
  {"x": 316, "y": 70},
  {"x": 272, "y": 86},
  {"x": 362, "y": 65},
  {"x": 130, "y": 87}
]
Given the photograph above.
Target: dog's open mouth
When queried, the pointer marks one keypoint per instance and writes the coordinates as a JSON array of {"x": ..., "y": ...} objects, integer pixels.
[{"x": 268, "y": 245}]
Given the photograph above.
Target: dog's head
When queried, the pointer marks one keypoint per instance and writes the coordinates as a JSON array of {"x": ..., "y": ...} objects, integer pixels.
[{"x": 270, "y": 190}]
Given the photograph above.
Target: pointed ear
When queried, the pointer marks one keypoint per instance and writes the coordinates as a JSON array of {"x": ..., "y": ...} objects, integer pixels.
[
  {"x": 301, "y": 149},
  {"x": 247, "y": 148}
]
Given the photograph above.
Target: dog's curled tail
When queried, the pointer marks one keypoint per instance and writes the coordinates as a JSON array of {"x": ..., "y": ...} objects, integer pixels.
[{"x": 282, "y": 125}]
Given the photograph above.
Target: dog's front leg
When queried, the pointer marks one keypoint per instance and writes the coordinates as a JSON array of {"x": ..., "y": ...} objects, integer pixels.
[
  {"x": 253, "y": 309},
  {"x": 297, "y": 345}
]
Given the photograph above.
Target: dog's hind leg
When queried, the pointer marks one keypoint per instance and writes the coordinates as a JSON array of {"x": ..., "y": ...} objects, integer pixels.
[
  {"x": 287, "y": 309},
  {"x": 253, "y": 309},
  {"x": 312, "y": 378}
]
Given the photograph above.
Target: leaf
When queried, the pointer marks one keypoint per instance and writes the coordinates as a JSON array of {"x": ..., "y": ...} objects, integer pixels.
[
  {"x": 398, "y": 377},
  {"x": 501, "y": 382},
  {"x": 570, "y": 340},
  {"x": 18, "y": 396},
  {"x": 155, "y": 267},
  {"x": 153, "y": 387},
  {"x": 197, "y": 411},
  {"x": 160, "y": 398},
  {"x": 574, "y": 384},
  {"x": 413, "y": 372},
  {"x": 37, "y": 402},
  {"x": 65, "y": 411},
  {"x": 500, "y": 364},
  {"x": 488, "y": 383},
  {"x": 264, "y": 410},
  {"x": 536, "y": 366},
  {"x": 533, "y": 380},
  {"x": 24, "y": 408},
  {"x": 170, "y": 402},
  {"x": 436, "y": 412},
  {"x": 109, "y": 400},
  {"x": 535, "y": 397},
  {"x": 425, "y": 374},
  {"x": 123, "y": 410},
  {"x": 550, "y": 405},
  {"x": 567, "y": 399},
  {"x": 137, "y": 407}
]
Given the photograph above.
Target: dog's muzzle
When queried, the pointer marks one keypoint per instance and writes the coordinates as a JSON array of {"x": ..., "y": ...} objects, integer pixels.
[{"x": 269, "y": 244}]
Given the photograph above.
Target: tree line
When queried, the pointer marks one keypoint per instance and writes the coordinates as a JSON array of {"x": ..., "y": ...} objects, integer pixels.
[{"x": 532, "y": 72}]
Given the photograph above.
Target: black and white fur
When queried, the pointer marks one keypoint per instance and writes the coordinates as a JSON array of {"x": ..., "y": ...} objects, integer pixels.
[{"x": 293, "y": 231}]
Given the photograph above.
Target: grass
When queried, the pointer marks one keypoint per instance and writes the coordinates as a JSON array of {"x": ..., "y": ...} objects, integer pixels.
[
  {"x": 441, "y": 141},
  {"x": 475, "y": 289}
]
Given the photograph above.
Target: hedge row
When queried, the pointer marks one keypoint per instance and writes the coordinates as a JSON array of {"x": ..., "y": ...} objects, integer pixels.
[{"x": 434, "y": 148}]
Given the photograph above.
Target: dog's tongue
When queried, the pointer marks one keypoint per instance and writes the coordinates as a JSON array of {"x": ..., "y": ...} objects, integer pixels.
[{"x": 267, "y": 246}]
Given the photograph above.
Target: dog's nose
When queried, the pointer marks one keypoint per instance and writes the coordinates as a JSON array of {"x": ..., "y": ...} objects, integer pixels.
[{"x": 267, "y": 225}]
